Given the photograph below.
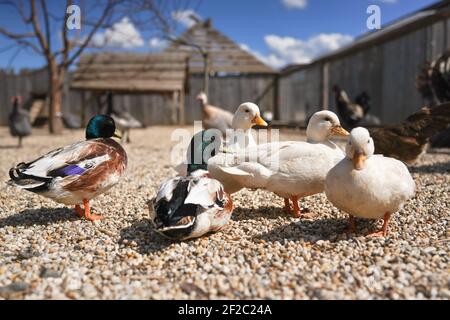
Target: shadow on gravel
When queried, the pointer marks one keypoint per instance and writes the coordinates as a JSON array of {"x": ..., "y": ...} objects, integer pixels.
[
  {"x": 147, "y": 240},
  {"x": 42, "y": 216},
  {"x": 443, "y": 167},
  {"x": 314, "y": 230},
  {"x": 241, "y": 214}
]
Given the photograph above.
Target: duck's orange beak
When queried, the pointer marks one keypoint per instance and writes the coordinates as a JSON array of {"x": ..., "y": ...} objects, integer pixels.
[
  {"x": 259, "y": 121},
  {"x": 339, "y": 131},
  {"x": 358, "y": 160}
]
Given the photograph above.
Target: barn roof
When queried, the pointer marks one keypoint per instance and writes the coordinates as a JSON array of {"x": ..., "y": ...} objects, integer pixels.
[
  {"x": 224, "y": 55},
  {"x": 130, "y": 72}
]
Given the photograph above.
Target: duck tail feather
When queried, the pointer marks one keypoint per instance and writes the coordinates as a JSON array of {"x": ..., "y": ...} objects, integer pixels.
[{"x": 25, "y": 181}]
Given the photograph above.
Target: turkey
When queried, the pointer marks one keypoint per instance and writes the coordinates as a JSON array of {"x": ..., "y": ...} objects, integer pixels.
[
  {"x": 214, "y": 117},
  {"x": 123, "y": 119},
  {"x": 406, "y": 141},
  {"x": 19, "y": 120}
]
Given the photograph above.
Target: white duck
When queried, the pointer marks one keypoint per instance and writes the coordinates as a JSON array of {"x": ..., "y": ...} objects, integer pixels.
[
  {"x": 289, "y": 169},
  {"x": 366, "y": 185},
  {"x": 240, "y": 136}
]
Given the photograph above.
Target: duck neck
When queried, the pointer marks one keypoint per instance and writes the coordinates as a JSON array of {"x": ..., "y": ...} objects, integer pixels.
[
  {"x": 315, "y": 136},
  {"x": 242, "y": 138}
]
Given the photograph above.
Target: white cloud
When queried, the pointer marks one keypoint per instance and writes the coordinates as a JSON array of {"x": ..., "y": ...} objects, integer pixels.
[
  {"x": 157, "y": 43},
  {"x": 122, "y": 34},
  {"x": 295, "y": 4},
  {"x": 270, "y": 59},
  {"x": 286, "y": 50},
  {"x": 184, "y": 17}
]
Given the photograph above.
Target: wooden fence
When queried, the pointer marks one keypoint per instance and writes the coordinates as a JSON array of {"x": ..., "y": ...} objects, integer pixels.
[{"x": 151, "y": 109}]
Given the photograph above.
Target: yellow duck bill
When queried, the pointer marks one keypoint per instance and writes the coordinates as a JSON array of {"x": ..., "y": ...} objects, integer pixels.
[
  {"x": 259, "y": 121},
  {"x": 339, "y": 131},
  {"x": 359, "y": 160}
]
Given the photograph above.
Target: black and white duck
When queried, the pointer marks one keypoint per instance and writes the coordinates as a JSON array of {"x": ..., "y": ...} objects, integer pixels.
[{"x": 190, "y": 206}]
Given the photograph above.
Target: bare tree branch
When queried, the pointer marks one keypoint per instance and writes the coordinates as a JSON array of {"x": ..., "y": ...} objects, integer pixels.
[
  {"x": 85, "y": 43},
  {"x": 19, "y": 8},
  {"x": 47, "y": 25},
  {"x": 37, "y": 29},
  {"x": 66, "y": 43}
]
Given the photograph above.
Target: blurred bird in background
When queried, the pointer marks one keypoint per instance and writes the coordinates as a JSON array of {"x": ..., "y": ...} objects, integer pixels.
[
  {"x": 354, "y": 113},
  {"x": 123, "y": 119},
  {"x": 214, "y": 117},
  {"x": 433, "y": 83},
  {"x": 19, "y": 120}
]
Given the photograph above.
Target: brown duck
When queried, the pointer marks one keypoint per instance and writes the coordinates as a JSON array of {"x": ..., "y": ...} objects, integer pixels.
[{"x": 406, "y": 141}]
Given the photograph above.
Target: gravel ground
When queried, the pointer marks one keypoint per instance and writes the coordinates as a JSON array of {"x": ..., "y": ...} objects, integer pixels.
[{"x": 48, "y": 253}]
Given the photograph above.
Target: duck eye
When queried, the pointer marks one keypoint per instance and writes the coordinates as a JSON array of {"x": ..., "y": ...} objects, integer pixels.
[
  {"x": 213, "y": 138},
  {"x": 368, "y": 141},
  {"x": 328, "y": 119},
  {"x": 246, "y": 110}
]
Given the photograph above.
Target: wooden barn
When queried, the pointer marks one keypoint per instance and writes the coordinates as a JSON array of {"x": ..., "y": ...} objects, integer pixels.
[
  {"x": 158, "y": 82},
  {"x": 161, "y": 88},
  {"x": 383, "y": 63}
]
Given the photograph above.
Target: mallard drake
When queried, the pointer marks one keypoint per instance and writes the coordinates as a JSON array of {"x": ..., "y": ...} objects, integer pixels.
[
  {"x": 289, "y": 169},
  {"x": 406, "y": 141},
  {"x": 240, "y": 136},
  {"x": 79, "y": 172},
  {"x": 191, "y": 206},
  {"x": 123, "y": 119},
  {"x": 19, "y": 120},
  {"x": 214, "y": 117},
  {"x": 366, "y": 185}
]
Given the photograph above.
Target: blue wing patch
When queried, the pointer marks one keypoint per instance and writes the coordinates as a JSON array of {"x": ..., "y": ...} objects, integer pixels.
[{"x": 69, "y": 170}]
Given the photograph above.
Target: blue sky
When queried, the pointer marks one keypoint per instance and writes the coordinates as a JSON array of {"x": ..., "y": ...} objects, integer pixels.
[{"x": 277, "y": 31}]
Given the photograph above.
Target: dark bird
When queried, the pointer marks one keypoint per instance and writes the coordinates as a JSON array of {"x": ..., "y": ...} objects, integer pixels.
[
  {"x": 19, "y": 120},
  {"x": 123, "y": 119},
  {"x": 407, "y": 140},
  {"x": 349, "y": 112},
  {"x": 433, "y": 83}
]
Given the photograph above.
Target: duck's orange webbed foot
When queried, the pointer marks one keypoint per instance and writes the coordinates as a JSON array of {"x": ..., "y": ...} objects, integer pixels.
[
  {"x": 383, "y": 231},
  {"x": 298, "y": 213},
  {"x": 87, "y": 212}
]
